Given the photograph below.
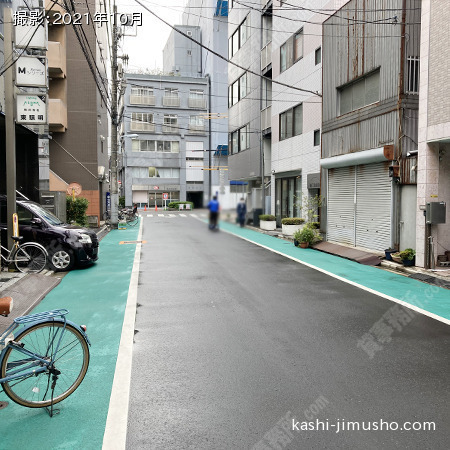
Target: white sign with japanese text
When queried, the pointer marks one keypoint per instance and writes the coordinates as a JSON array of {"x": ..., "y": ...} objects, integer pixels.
[
  {"x": 31, "y": 71},
  {"x": 31, "y": 109}
]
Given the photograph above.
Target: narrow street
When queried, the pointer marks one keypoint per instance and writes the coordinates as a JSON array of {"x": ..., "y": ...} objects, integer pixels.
[{"x": 233, "y": 341}]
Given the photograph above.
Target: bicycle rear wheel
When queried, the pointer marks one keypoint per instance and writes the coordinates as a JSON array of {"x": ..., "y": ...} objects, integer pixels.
[
  {"x": 71, "y": 359},
  {"x": 30, "y": 257}
]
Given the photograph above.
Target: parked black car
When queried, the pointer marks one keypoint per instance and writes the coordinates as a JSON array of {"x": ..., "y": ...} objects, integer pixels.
[{"x": 66, "y": 244}]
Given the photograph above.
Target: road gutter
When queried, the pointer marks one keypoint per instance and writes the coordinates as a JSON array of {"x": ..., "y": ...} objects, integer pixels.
[{"x": 115, "y": 436}]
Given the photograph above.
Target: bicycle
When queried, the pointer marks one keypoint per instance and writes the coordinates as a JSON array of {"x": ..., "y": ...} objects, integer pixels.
[
  {"x": 45, "y": 361},
  {"x": 127, "y": 215},
  {"x": 29, "y": 257}
]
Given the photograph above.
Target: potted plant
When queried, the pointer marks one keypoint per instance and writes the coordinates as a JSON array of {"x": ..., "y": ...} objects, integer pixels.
[
  {"x": 408, "y": 256},
  {"x": 290, "y": 225},
  {"x": 267, "y": 222},
  {"x": 388, "y": 252},
  {"x": 306, "y": 236}
]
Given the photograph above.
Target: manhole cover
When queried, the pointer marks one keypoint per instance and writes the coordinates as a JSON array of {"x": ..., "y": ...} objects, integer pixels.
[{"x": 3, "y": 405}]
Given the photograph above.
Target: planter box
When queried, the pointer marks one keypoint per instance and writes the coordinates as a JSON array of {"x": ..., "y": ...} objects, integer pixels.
[
  {"x": 268, "y": 225},
  {"x": 289, "y": 230}
]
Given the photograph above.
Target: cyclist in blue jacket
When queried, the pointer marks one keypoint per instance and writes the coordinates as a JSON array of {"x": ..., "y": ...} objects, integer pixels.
[{"x": 213, "y": 207}]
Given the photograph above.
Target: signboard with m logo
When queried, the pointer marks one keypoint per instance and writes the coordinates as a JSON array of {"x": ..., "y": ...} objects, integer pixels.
[{"x": 31, "y": 71}]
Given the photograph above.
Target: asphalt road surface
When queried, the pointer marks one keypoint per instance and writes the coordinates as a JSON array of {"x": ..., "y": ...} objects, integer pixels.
[{"x": 237, "y": 347}]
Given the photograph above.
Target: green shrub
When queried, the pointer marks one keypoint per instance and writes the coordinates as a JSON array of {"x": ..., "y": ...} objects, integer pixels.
[
  {"x": 407, "y": 254},
  {"x": 122, "y": 201},
  {"x": 267, "y": 217},
  {"x": 174, "y": 205},
  {"x": 292, "y": 221},
  {"x": 307, "y": 234},
  {"x": 314, "y": 225},
  {"x": 76, "y": 210}
]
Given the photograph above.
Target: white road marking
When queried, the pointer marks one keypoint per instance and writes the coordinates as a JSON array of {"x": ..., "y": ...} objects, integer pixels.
[
  {"x": 115, "y": 436},
  {"x": 353, "y": 283},
  {"x": 193, "y": 215},
  {"x": 160, "y": 215},
  {"x": 182, "y": 215},
  {"x": 149, "y": 215},
  {"x": 171, "y": 215}
]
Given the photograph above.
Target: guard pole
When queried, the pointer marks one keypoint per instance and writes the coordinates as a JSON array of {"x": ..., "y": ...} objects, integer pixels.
[{"x": 10, "y": 128}]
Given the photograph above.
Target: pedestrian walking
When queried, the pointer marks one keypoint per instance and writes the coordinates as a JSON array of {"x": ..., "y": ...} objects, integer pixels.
[
  {"x": 213, "y": 207},
  {"x": 241, "y": 210}
]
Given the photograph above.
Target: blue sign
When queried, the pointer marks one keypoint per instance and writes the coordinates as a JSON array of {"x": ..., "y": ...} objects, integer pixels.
[{"x": 108, "y": 201}]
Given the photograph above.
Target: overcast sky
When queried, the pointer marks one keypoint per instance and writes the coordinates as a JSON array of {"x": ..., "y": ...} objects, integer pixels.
[{"x": 145, "y": 50}]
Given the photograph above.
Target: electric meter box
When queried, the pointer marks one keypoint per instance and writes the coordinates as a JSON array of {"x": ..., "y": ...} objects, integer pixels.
[{"x": 435, "y": 213}]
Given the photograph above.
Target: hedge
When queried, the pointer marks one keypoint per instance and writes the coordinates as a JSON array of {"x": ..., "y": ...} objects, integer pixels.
[
  {"x": 292, "y": 221},
  {"x": 174, "y": 205},
  {"x": 267, "y": 217},
  {"x": 76, "y": 210}
]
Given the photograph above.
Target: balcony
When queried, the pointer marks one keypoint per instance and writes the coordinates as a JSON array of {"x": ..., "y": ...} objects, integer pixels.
[
  {"x": 142, "y": 126},
  {"x": 197, "y": 129},
  {"x": 170, "y": 129},
  {"x": 171, "y": 101},
  {"x": 148, "y": 100},
  {"x": 266, "y": 56},
  {"x": 199, "y": 103},
  {"x": 56, "y": 56},
  {"x": 57, "y": 115},
  {"x": 266, "y": 118}
]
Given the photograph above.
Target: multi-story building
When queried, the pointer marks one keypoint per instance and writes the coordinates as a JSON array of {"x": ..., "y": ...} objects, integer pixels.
[
  {"x": 78, "y": 106},
  {"x": 296, "y": 112},
  {"x": 433, "y": 167},
  {"x": 211, "y": 18},
  {"x": 369, "y": 123},
  {"x": 164, "y": 136},
  {"x": 249, "y": 99}
]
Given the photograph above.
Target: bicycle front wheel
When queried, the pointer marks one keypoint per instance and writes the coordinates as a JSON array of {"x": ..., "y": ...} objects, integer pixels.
[
  {"x": 132, "y": 220},
  {"x": 30, "y": 257},
  {"x": 71, "y": 359}
]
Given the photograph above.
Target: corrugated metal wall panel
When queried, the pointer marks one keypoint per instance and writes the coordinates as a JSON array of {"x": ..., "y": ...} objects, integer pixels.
[
  {"x": 373, "y": 206},
  {"x": 341, "y": 205}
]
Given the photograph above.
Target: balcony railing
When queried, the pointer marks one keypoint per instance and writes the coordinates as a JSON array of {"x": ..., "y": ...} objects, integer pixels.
[
  {"x": 197, "y": 103},
  {"x": 142, "y": 126},
  {"x": 266, "y": 118},
  {"x": 197, "y": 129},
  {"x": 266, "y": 56},
  {"x": 142, "y": 100},
  {"x": 171, "y": 101},
  {"x": 57, "y": 115},
  {"x": 170, "y": 129}
]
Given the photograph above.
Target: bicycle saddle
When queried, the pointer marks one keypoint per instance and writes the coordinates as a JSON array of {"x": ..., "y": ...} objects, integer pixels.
[
  {"x": 6, "y": 306},
  {"x": 17, "y": 238}
]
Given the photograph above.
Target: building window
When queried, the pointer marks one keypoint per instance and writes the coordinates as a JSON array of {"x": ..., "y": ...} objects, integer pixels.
[
  {"x": 142, "y": 122},
  {"x": 291, "y": 122},
  {"x": 238, "y": 90},
  {"x": 197, "y": 99},
  {"x": 163, "y": 172},
  {"x": 141, "y": 145},
  {"x": 189, "y": 52},
  {"x": 240, "y": 140},
  {"x": 170, "y": 92},
  {"x": 142, "y": 96},
  {"x": 170, "y": 124},
  {"x": 239, "y": 38},
  {"x": 360, "y": 93},
  {"x": 291, "y": 51},
  {"x": 412, "y": 83},
  {"x": 318, "y": 56},
  {"x": 316, "y": 138}
]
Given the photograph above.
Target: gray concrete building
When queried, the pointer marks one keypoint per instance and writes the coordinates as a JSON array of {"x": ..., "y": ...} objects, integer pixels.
[
  {"x": 164, "y": 136},
  {"x": 370, "y": 123},
  {"x": 433, "y": 166}
]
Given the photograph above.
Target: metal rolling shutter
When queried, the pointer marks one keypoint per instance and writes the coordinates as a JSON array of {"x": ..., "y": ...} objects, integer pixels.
[
  {"x": 341, "y": 205},
  {"x": 373, "y": 206}
]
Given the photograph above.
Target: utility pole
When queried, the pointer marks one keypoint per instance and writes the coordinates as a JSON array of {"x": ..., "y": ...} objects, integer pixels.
[
  {"x": 114, "y": 122},
  {"x": 10, "y": 127}
]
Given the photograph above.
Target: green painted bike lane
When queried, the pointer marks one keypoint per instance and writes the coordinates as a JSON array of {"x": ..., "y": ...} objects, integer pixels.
[
  {"x": 95, "y": 296},
  {"x": 433, "y": 299}
]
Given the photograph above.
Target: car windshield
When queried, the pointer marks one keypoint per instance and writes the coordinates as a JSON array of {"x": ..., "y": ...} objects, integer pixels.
[{"x": 46, "y": 215}]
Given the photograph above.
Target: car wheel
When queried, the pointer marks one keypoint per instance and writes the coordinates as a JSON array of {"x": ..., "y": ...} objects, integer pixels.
[{"x": 61, "y": 259}]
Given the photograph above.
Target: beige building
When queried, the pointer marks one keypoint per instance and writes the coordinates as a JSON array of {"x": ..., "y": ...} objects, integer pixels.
[
  {"x": 78, "y": 121},
  {"x": 433, "y": 168}
]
